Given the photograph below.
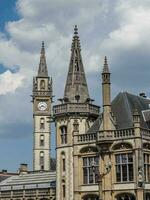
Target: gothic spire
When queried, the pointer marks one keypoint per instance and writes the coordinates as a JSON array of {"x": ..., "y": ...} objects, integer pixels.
[
  {"x": 105, "y": 68},
  {"x": 76, "y": 89},
  {"x": 42, "y": 71}
]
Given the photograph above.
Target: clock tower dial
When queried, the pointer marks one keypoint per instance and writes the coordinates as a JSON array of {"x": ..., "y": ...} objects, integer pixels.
[
  {"x": 42, "y": 99},
  {"x": 42, "y": 106}
]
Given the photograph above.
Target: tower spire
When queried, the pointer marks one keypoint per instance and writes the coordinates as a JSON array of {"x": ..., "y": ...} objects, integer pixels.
[
  {"x": 105, "y": 68},
  {"x": 42, "y": 71},
  {"x": 76, "y": 89}
]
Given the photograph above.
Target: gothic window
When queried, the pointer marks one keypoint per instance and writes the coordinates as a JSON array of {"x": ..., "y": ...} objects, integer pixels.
[
  {"x": 124, "y": 167},
  {"x": 90, "y": 170},
  {"x": 63, "y": 189},
  {"x": 41, "y": 140},
  {"x": 147, "y": 196},
  {"x": 41, "y": 159},
  {"x": 76, "y": 125},
  {"x": 63, "y": 130},
  {"x": 125, "y": 197},
  {"x": 121, "y": 146},
  {"x": 146, "y": 146},
  {"x": 42, "y": 85},
  {"x": 63, "y": 164},
  {"x": 147, "y": 167},
  {"x": 42, "y": 123},
  {"x": 63, "y": 161}
]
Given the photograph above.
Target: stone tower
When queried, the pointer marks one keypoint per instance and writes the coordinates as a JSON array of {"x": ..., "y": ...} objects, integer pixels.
[
  {"x": 73, "y": 116},
  {"x": 42, "y": 98}
]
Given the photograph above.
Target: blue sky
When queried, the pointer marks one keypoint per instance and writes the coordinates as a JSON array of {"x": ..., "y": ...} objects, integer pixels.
[{"x": 118, "y": 29}]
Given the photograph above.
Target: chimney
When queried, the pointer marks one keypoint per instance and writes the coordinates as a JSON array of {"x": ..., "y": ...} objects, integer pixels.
[
  {"x": 4, "y": 171},
  {"x": 23, "y": 168},
  {"x": 142, "y": 94}
]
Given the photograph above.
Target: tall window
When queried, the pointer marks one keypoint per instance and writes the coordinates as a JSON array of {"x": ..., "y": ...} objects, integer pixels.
[
  {"x": 148, "y": 196},
  {"x": 63, "y": 130},
  {"x": 42, "y": 123},
  {"x": 42, "y": 85},
  {"x": 90, "y": 170},
  {"x": 64, "y": 191},
  {"x": 124, "y": 167},
  {"x": 41, "y": 140},
  {"x": 42, "y": 160},
  {"x": 147, "y": 167}
]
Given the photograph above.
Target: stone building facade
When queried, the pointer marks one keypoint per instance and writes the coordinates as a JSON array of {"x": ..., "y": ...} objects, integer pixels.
[{"x": 100, "y": 155}]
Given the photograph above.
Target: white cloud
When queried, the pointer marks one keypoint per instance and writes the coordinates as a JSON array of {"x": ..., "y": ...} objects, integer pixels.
[
  {"x": 105, "y": 28},
  {"x": 9, "y": 82}
]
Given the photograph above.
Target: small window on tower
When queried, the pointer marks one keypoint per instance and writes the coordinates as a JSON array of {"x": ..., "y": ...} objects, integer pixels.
[
  {"x": 63, "y": 130},
  {"x": 42, "y": 85},
  {"x": 41, "y": 140},
  {"x": 42, "y": 123},
  {"x": 41, "y": 158}
]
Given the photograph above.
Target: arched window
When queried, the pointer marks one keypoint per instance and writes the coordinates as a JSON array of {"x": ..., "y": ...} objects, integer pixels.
[
  {"x": 42, "y": 85},
  {"x": 63, "y": 135},
  {"x": 41, "y": 140},
  {"x": 122, "y": 145},
  {"x": 63, "y": 161},
  {"x": 42, "y": 160},
  {"x": 63, "y": 189},
  {"x": 125, "y": 197},
  {"x": 42, "y": 123}
]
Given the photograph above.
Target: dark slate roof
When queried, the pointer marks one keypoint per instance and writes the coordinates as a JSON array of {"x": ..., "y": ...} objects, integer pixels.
[
  {"x": 96, "y": 125},
  {"x": 123, "y": 106}
]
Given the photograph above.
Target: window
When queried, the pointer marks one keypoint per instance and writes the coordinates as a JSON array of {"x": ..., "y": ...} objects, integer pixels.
[
  {"x": 125, "y": 197},
  {"x": 41, "y": 158},
  {"x": 42, "y": 85},
  {"x": 124, "y": 167},
  {"x": 147, "y": 167},
  {"x": 63, "y": 164},
  {"x": 63, "y": 134},
  {"x": 64, "y": 191},
  {"x": 42, "y": 123},
  {"x": 90, "y": 170},
  {"x": 91, "y": 197},
  {"x": 41, "y": 140},
  {"x": 147, "y": 196}
]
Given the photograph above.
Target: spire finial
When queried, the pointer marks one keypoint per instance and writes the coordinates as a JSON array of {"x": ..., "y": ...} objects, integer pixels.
[
  {"x": 75, "y": 30},
  {"x": 105, "y": 60},
  {"x": 106, "y": 68},
  {"x": 43, "y": 48}
]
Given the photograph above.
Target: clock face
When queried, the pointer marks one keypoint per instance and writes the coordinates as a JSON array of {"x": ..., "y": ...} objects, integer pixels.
[{"x": 42, "y": 105}]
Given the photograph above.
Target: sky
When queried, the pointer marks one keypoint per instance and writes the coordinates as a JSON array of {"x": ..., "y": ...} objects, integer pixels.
[{"x": 119, "y": 29}]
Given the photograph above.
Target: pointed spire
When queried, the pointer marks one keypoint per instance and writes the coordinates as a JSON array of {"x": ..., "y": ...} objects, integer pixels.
[
  {"x": 76, "y": 89},
  {"x": 42, "y": 71},
  {"x": 105, "y": 68}
]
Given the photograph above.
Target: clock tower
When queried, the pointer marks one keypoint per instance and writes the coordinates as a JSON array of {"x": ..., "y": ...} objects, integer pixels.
[{"x": 42, "y": 99}]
